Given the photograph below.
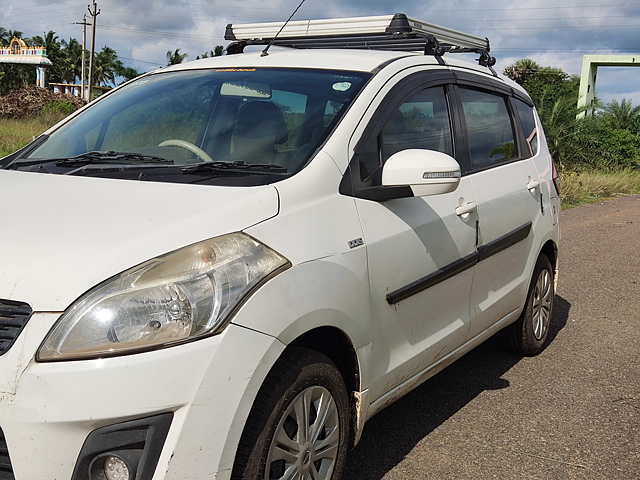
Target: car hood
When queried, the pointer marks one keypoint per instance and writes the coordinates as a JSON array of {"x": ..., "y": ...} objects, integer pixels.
[{"x": 62, "y": 235}]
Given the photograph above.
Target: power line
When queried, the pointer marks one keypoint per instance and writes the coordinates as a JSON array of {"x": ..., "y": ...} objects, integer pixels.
[{"x": 208, "y": 6}]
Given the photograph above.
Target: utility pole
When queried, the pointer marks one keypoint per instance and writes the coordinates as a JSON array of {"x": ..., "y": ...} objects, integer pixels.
[
  {"x": 93, "y": 14},
  {"x": 83, "y": 75}
]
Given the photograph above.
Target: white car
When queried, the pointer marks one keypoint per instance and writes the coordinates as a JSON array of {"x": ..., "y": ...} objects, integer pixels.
[{"x": 223, "y": 268}]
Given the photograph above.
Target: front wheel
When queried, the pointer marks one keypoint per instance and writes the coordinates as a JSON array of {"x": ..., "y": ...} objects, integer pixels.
[
  {"x": 297, "y": 427},
  {"x": 528, "y": 335}
]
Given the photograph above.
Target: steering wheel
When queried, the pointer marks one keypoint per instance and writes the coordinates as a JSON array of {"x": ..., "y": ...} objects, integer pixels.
[{"x": 201, "y": 154}]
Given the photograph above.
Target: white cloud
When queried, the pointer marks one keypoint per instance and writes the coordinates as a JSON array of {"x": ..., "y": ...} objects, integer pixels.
[{"x": 141, "y": 31}]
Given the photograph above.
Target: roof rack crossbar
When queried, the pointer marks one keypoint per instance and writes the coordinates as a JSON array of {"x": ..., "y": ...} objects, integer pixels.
[{"x": 388, "y": 32}]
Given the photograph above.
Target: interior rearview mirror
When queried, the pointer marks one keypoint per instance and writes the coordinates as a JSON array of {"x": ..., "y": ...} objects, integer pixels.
[{"x": 245, "y": 89}]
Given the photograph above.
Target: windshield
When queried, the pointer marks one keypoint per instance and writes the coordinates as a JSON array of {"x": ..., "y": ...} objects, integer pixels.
[{"x": 211, "y": 126}]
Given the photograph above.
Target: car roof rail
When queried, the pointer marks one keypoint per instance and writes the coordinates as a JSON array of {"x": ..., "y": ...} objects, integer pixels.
[{"x": 387, "y": 32}]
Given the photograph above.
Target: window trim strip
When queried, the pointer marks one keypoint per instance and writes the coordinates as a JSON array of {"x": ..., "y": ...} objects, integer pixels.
[
  {"x": 482, "y": 253},
  {"x": 433, "y": 279}
]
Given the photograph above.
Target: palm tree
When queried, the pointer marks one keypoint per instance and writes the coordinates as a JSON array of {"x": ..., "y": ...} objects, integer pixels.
[
  {"x": 13, "y": 76},
  {"x": 73, "y": 58},
  {"x": 127, "y": 73},
  {"x": 4, "y": 37},
  {"x": 175, "y": 57},
  {"x": 51, "y": 42},
  {"x": 623, "y": 115},
  {"x": 11, "y": 34},
  {"x": 105, "y": 66},
  {"x": 216, "y": 52},
  {"x": 522, "y": 70},
  {"x": 58, "y": 71}
]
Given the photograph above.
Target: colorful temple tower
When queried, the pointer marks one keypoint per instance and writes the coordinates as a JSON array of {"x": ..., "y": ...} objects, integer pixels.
[{"x": 18, "y": 52}]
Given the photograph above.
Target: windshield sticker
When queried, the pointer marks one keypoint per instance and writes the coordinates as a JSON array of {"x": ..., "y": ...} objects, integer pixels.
[
  {"x": 236, "y": 69},
  {"x": 342, "y": 86}
]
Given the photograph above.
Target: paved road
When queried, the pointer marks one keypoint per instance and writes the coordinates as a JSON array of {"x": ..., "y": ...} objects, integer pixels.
[{"x": 573, "y": 412}]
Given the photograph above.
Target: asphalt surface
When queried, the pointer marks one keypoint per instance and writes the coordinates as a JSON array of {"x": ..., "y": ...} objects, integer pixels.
[{"x": 573, "y": 412}]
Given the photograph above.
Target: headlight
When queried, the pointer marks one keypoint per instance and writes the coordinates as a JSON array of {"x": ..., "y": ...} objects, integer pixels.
[{"x": 180, "y": 296}]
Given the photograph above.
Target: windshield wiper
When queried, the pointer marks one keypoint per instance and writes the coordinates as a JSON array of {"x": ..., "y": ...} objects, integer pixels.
[
  {"x": 235, "y": 167},
  {"x": 111, "y": 157}
]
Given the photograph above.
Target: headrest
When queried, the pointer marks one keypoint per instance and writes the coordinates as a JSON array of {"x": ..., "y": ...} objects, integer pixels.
[{"x": 261, "y": 119}]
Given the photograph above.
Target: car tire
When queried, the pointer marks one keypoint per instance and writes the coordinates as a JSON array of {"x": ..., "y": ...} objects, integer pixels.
[
  {"x": 303, "y": 388},
  {"x": 528, "y": 335}
]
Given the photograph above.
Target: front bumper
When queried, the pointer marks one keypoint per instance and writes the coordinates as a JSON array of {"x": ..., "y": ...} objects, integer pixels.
[{"x": 47, "y": 410}]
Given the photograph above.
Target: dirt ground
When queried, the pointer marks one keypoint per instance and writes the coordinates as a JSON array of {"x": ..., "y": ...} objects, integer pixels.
[
  {"x": 32, "y": 100},
  {"x": 573, "y": 412}
]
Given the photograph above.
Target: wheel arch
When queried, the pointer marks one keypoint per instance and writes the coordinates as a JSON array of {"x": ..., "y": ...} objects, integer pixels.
[
  {"x": 550, "y": 249},
  {"x": 336, "y": 345}
]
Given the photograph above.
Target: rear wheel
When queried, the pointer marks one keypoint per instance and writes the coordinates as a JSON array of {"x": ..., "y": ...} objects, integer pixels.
[
  {"x": 528, "y": 334},
  {"x": 297, "y": 427}
]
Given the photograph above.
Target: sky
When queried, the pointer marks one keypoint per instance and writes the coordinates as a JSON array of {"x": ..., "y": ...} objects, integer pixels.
[{"x": 550, "y": 32}]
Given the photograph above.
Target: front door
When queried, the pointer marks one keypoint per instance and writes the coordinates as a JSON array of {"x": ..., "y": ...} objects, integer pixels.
[{"x": 419, "y": 249}]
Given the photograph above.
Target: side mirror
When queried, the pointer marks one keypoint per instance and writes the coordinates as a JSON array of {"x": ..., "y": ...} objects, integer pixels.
[{"x": 427, "y": 172}]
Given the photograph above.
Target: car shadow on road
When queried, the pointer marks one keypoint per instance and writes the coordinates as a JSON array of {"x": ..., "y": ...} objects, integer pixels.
[{"x": 392, "y": 434}]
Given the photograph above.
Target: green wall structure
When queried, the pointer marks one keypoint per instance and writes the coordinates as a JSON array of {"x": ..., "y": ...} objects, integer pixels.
[{"x": 590, "y": 64}]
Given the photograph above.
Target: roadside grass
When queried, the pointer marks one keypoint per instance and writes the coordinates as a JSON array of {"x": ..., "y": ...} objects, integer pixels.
[
  {"x": 592, "y": 186},
  {"x": 16, "y": 133},
  {"x": 577, "y": 188}
]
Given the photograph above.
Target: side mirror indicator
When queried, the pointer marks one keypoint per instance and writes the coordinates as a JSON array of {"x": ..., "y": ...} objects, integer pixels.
[{"x": 427, "y": 172}]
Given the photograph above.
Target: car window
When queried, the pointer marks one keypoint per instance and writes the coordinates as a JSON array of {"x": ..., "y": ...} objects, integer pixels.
[
  {"x": 527, "y": 119},
  {"x": 489, "y": 128},
  {"x": 330, "y": 111},
  {"x": 269, "y": 120},
  {"x": 183, "y": 114},
  {"x": 421, "y": 121},
  {"x": 293, "y": 107}
]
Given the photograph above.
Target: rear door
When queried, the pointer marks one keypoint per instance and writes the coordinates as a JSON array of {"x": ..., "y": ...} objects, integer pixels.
[{"x": 507, "y": 189}]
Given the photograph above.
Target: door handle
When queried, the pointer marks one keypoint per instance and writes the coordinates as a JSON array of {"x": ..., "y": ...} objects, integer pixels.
[
  {"x": 466, "y": 209},
  {"x": 533, "y": 184}
]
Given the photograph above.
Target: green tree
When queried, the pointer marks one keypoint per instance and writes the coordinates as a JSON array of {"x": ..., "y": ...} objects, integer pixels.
[
  {"x": 14, "y": 76},
  {"x": 217, "y": 51},
  {"x": 4, "y": 37},
  {"x": 11, "y": 34},
  {"x": 58, "y": 70},
  {"x": 72, "y": 58},
  {"x": 105, "y": 66},
  {"x": 608, "y": 140},
  {"x": 521, "y": 71},
  {"x": 555, "y": 95},
  {"x": 66, "y": 59},
  {"x": 127, "y": 73},
  {"x": 623, "y": 115},
  {"x": 205, "y": 55},
  {"x": 174, "y": 58},
  {"x": 542, "y": 83}
]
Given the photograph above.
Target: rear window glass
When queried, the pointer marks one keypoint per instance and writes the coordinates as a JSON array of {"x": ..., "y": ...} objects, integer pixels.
[
  {"x": 528, "y": 121},
  {"x": 489, "y": 128}
]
